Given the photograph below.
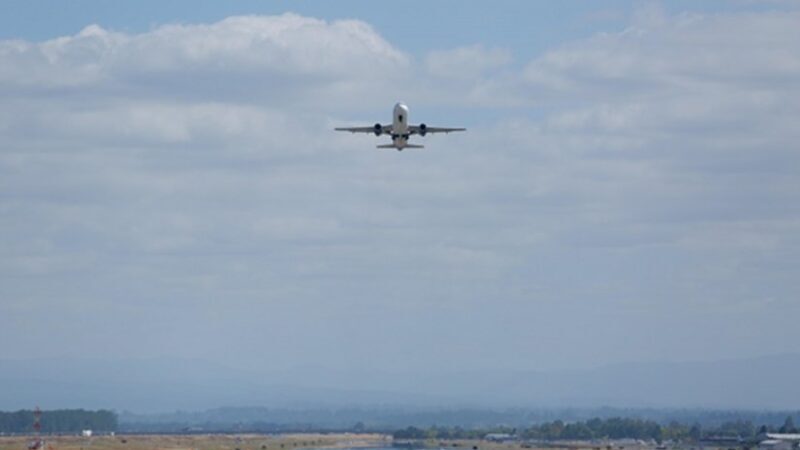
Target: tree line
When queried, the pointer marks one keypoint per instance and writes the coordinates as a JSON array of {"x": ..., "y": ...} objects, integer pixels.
[
  {"x": 611, "y": 428},
  {"x": 58, "y": 421}
]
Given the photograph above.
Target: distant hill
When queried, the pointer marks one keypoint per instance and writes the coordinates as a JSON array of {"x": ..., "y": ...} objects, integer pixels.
[{"x": 160, "y": 384}]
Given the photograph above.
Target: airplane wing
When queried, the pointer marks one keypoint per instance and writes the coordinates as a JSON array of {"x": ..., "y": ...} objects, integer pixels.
[
  {"x": 385, "y": 129},
  {"x": 423, "y": 129}
]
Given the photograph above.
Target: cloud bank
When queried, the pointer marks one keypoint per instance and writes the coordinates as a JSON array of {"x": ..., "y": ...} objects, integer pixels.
[{"x": 180, "y": 192}]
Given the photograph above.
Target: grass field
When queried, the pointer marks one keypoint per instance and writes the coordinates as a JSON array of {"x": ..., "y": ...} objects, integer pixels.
[
  {"x": 200, "y": 442},
  {"x": 272, "y": 442}
]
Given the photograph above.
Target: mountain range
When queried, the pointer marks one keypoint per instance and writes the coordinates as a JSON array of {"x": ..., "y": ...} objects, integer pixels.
[{"x": 169, "y": 384}]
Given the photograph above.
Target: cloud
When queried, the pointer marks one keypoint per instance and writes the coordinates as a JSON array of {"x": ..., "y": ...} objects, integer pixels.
[
  {"x": 660, "y": 55},
  {"x": 620, "y": 177},
  {"x": 279, "y": 46}
]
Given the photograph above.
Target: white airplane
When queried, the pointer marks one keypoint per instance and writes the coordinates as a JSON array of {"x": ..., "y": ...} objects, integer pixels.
[{"x": 399, "y": 130}]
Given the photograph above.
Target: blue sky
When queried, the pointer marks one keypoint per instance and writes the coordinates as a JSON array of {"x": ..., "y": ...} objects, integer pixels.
[
  {"x": 527, "y": 28},
  {"x": 418, "y": 24},
  {"x": 627, "y": 189}
]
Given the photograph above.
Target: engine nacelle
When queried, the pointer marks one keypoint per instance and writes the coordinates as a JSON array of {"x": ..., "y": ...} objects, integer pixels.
[
  {"x": 378, "y": 129},
  {"x": 423, "y": 129}
]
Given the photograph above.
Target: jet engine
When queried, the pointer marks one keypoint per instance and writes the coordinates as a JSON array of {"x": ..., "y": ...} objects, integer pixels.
[
  {"x": 423, "y": 129},
  {"x": 378, "y": 129}
]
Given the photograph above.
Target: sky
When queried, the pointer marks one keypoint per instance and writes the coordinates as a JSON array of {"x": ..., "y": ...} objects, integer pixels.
[{"x": 627, "y": 190}]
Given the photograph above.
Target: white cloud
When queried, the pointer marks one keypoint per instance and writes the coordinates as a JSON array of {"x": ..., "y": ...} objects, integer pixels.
[
  {"x": 197, "y": 163},
  {"x": 281, "y": 61},
  {"x": 661, "y": 55}
]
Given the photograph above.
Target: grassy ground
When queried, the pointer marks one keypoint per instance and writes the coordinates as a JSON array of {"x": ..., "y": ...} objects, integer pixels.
[
  {"x": 199, "y": 442},
  {"x": 269, "y": 442}
]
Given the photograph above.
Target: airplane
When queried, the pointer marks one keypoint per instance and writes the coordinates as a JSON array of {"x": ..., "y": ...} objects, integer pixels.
[{"x": 399, "y": 130}]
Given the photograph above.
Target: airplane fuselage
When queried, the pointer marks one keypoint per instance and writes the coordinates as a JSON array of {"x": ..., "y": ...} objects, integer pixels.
[{"x": 400, "y": 132}]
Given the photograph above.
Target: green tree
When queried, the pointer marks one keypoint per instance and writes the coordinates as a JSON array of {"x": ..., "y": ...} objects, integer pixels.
[
  {"x": 788, "y": 426},
  {"x": 696, "y": 432}
]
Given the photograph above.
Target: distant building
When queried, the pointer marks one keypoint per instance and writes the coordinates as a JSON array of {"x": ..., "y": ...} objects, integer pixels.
[
  {"x": 499, "y": 437},
  {"x": 86, "y": 433},
  {"x": 793, "y": 437},
  {"x": 778, "y": 441}
]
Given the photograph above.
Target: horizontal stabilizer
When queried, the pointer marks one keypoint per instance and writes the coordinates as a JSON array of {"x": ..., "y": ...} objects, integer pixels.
[{"x": 399, "y": 148}]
